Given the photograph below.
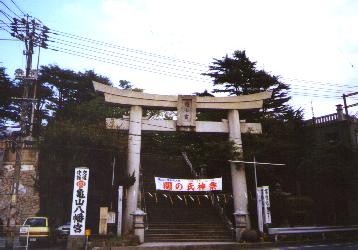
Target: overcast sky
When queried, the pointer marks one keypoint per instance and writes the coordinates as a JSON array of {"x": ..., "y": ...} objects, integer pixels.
[{"x": 165, "y": 45}]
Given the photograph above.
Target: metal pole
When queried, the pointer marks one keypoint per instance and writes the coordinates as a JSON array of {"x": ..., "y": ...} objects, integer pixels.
[
  {"x": 255, "y": 175},
  {"x": 258, "y": 201},
  {"x": 15, "y": 184},
  {"x": 258, "y": 197},
  {"x": 113, "y": 165},
  {"x": 259, "y": 209},
  {"x": 345, "y": 104}
]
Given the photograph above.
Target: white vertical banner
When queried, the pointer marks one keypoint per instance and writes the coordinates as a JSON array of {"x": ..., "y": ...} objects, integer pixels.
[
  {"x": 79, "y": 201},
  {"x": 266, "y": 203},
  {"x": 259, "y": 209},
  {"x": 120, "y": 213}
]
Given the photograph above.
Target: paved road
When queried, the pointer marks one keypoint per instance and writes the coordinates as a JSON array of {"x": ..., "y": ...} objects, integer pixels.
[
  {"x": 306, "y": 246},
  {"x": 17, "y": 245}
]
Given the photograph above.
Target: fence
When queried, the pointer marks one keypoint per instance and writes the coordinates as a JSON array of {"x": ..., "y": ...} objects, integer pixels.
[
  {"x": 14, "y": 237},
  {"x": 306, "y": 230}
]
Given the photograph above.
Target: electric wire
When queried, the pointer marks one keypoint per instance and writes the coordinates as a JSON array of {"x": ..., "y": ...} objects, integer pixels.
[
  {"x": 123, "y": 64},
  {"x": 172, "y": 66},
  {"x": 319, "y": 82},
  {"x": 10, "y": 9},
  {"x": 118, "y": 55},
  {"x": 5, "y": 24},
  {"x": 18, "y": 7},
  {"x": 103, "y": 43},
  {"x": 303, "y": 88},
  {"x": 6, "y": 15},
  {"x": 57, "y": 32},
  {"x": 4, "y": 29},
  {"x": 186, "y": 77},
  {"x": 148, "y": 53},
  {"x": 199, "y": 69}
]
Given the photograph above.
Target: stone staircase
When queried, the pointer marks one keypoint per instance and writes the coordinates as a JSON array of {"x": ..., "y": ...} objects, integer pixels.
[{"x": 179, "y": 216}]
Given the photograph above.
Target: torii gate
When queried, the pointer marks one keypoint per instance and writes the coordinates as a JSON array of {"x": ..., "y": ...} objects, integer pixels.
[{"x": 186, "y": 121}]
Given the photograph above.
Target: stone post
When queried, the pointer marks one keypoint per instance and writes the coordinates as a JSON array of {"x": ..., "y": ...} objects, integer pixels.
[
  {"x": 239, "y": 188},
  {"x": 340, "y": 114},
  {"x": 103, "y": 218},
  {"x": 134, "y": 145},
  {"x": 138, "y": 224}
]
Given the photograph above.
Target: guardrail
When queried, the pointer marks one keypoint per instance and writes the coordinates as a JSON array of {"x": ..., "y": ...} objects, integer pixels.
[{"x": 304, "y": 230}]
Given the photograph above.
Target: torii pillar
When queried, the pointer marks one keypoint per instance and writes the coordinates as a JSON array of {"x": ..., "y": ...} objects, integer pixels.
[
  {"x": 133, "y": 164},
  {"x": 186, "y": 107},
  {"x": 238, "y": 177}
]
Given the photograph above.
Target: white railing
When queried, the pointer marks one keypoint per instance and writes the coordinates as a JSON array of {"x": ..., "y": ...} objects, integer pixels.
[
  {"x": 326, "y": 118},
  {"x": 315, "y": 229}
]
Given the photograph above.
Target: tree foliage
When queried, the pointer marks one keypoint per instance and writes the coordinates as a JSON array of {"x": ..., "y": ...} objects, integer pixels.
[
  {"x": 75, "y": 135},
  {"x": 331, "y": 167},
  {"x": 9, "y": 108},
  {"x": 283, "y": 138},
  {"x": 238, "y": 75}
]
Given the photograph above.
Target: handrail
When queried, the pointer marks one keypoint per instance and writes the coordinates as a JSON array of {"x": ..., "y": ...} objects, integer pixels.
[
  {"x": 229, "y": 225},
  {"x": 186, "y": 158},
  {"x": 214, "y": 202}
]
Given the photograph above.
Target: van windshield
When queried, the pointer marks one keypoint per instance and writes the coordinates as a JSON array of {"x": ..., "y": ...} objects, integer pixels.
[{"x": 35, "y": 222}]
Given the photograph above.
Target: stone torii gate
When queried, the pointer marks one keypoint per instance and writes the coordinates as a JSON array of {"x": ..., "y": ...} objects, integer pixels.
[{"x": 187, "y": 106}]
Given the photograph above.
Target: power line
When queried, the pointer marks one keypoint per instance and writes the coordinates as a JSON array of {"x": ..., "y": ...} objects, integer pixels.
[
  {"x": 317, "y": 90},
  {"x": 10, "y": 9},
  {"x": 71, "y": 36},
  {"x": 305, "y": 94},
  {"x": 155, "y": 63},
  {"x": 6, "y": 15},
  {"x": 60, "y": 33},
  {"x": 124, "y": 56},
  {"x": 5, "y": 24},
  {"x": 293, "y": 87},
  {"x": 18, "y": 7},
  {"x": 123, "y": 64},
  {"x": 318, "y": 82},
  {"x": 4, "y": 29},
  {"x": 76, "y": 53}
]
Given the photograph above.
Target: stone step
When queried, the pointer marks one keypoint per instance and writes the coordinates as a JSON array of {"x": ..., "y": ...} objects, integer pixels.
[
  {"x": 211, "y": 238},
  {"x": 186, "y": 233},
  {"x": 186, "y": 236},
  {"x": 184, "y": 225}
]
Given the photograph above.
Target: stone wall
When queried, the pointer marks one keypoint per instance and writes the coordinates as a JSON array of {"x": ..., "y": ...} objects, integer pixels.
[{"x": 28, "y": 199}]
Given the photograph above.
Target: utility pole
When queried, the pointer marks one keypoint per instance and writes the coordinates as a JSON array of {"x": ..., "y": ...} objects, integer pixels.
[
  {"x": 345, "y": 102},
  {"x": 33, "y": 34},
  {"x": 16, "y": 145}
]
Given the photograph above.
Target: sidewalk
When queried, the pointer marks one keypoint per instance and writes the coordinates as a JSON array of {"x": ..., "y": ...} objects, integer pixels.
[{"x": 219, "y": 245}]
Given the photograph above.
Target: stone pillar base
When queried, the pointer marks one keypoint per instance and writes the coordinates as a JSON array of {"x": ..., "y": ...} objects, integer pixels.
[
  {"x": 241, "y": 219},
  {"x": 76, "y": 242}
]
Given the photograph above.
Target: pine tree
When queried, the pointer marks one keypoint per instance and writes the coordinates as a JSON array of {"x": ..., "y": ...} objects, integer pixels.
[{"x": 238, "y": 75}]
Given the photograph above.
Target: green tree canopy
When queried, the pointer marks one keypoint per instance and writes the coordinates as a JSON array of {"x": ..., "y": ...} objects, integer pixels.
[
  {"x": 9, "y": 108},
  {"x": 238, "y": 75},
  {"x": 74, "y": 134}
]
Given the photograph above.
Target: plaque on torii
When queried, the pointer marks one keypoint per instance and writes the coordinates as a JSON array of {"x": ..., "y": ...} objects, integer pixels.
[{"x": 186, "y": 107}]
